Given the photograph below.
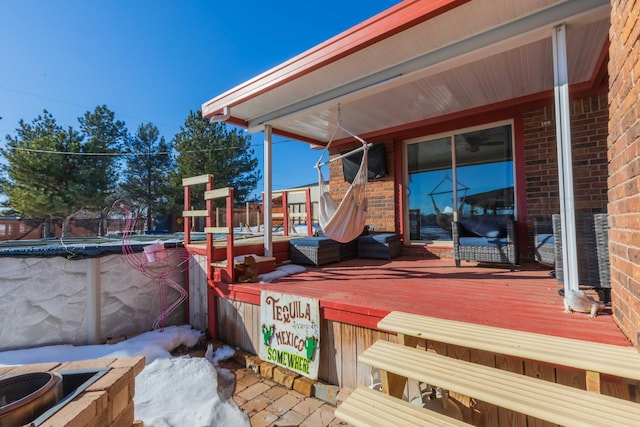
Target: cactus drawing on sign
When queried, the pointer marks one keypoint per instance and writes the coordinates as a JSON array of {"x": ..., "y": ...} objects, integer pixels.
[
  {"x": 310, "y": 345},
  {"x": 267, "y": 333}
]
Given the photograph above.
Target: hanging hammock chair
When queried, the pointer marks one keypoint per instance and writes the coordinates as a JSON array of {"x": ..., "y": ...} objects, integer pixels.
[
  {"x": 443, "y": 219},
  {"x": 344, "y": 221}
]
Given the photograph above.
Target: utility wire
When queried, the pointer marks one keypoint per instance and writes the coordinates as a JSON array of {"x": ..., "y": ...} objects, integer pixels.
[
  {"x": 72, "y": 153},
  {"x": 160, "y": 153}
]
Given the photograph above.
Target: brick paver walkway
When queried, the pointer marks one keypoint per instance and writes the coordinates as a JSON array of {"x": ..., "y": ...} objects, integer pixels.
[
  {"x": 269, "y": 404},
  {"x": 266, "y": 402}
]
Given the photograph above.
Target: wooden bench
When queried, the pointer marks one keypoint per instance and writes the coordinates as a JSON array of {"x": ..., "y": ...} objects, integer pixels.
[{"x": 538, "y": 398}]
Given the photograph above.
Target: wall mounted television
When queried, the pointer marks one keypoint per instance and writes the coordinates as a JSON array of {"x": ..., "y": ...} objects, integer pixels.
[{"x": 376, "y": 165}]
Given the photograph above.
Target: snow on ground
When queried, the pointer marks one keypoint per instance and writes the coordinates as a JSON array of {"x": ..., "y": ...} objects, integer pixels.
[
  {"x": 170, "y": 391},
  {"x": 282, "y": 271}
]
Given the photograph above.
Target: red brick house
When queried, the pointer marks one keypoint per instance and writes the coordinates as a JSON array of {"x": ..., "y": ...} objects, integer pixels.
[
  {"x": 624, "y": 165},
  {"x": 479, "y": 104}
]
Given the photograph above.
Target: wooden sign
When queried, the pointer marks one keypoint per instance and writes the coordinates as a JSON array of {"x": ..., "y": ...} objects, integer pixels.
[{"x": 290, "y": 332}]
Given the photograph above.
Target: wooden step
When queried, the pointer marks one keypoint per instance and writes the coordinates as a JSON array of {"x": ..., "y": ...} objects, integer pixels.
[
  {"x": 538, "y": 398},
  {"x": 365, "y": 407},
  {"x": 623, "y": 362}
]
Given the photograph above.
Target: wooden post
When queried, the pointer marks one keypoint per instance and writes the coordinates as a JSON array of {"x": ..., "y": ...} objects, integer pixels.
[
  {"x": 408, "y": 340},
  {"x": 248, "y": 219},
  {"x": 285, "y": 213},
  {"x": 209, "y": 236},
  {"x": 593, "y": 381},
  {"x": 230, "y": 251},
  {"x": 393, "y": 384},
  {"x": 186, "y": 219},
  {"x": 309, "y": 212},
  {"x": 212, "y": 300}
]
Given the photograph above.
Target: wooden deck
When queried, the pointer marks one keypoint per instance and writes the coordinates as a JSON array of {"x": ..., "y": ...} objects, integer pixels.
[{"x": 362, "y": 291}]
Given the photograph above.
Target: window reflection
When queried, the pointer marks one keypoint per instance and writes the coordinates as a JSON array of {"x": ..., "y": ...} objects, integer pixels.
[{"x": 483, "y": 174}]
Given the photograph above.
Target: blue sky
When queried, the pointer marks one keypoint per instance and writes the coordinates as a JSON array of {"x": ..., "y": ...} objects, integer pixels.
[{"x": 154, "y": 61}]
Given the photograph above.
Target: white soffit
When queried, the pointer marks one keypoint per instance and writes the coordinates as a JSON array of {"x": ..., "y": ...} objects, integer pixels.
[{"x": 476, "y": 54}]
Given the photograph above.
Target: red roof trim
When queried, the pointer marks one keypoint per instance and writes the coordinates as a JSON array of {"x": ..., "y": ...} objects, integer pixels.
[
  {"x": 601, "y": 73},
  {"x": 392, "y": 21}
]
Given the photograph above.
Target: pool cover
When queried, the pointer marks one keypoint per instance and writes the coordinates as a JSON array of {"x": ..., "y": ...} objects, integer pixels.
[{"x": 84, "y": 247}]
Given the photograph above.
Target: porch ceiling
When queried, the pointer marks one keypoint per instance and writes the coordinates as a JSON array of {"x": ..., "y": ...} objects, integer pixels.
[{"x": 420, "y": 60}]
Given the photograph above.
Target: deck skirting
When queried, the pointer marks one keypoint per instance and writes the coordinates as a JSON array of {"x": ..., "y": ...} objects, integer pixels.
[
  {"x": 342, "y": 343},
  {"x": 351, "y": 310}
]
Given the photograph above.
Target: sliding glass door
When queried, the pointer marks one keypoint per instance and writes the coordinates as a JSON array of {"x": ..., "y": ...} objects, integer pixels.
[{"x": 469, "y": 172}]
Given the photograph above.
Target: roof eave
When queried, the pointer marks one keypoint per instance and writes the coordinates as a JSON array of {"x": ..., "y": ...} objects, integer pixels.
[{"x": 387, "y": 23}]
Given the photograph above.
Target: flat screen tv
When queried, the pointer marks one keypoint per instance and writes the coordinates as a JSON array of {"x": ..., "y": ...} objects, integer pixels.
[{"x": 376, "y": 165}]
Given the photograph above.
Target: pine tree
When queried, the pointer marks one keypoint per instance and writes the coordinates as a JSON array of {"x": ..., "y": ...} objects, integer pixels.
[
  {"x": 103, "y": 134},
  {"x": 54, "y": 173},
  {"x": 146, "y": 177},
  {"x": 211, "y": 148}
]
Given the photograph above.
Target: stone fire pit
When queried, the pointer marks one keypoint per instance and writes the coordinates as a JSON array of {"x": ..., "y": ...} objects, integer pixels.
[{"x": 106, "y": 402}]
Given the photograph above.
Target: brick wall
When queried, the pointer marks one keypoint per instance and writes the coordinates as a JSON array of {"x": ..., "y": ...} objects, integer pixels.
[
  {"x": 380, "y": 193},
  {"x": 589, "y": 151},
  {"x": 589, "y": 135},
  {"x": 541, "y": 164},
  {"x": 624, "y": 166}
]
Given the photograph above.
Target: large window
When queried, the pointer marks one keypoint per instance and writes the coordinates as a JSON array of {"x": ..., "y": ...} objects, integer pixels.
[{"x": 478, "y": 161}]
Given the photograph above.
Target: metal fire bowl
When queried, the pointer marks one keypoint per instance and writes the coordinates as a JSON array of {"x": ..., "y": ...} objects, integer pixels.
[{"x": 24, "y": 397}]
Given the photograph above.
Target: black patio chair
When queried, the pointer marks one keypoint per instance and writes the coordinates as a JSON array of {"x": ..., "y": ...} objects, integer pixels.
[
  {"x": 485, "y": 238},
  {"x": 543, "y": 240}
]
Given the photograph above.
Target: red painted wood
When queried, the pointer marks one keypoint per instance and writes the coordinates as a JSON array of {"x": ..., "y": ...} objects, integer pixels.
[
  {"x": 209, "y": 223},
  {"x": 279, "y": 247},
  {"x": 212, "y": 313},
  {"x": 361, "y": 292},
  {"x": 398, "y": 182},
  {"x": 519, "y": 166},
  {"x": 230, "y": 245},
  {"x": 187, "y": 220}
]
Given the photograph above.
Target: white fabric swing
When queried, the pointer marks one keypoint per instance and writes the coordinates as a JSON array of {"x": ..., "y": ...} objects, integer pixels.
[{"x": 344, "y": 221}]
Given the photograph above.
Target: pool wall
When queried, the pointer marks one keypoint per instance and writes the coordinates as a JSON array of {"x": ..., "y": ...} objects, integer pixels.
[{"x": 48, "y": 300}]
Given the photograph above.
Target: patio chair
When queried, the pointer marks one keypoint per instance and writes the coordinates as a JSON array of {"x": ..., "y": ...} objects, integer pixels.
[
  {"x": 592, "y": 249},
  {"x": 485, "y": 238},
  {"x": 601, "y": 223},
  {"x": 543, "y": 240},
  {"x": 314, "y": 250}
]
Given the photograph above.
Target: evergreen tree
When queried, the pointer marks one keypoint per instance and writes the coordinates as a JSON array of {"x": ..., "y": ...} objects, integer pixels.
[
  {"x": 103, "y": 134},
  {"x": 54, "y": 173},
  {"x": 211, "y": 148},
  {"x": 146, "y": 177}
]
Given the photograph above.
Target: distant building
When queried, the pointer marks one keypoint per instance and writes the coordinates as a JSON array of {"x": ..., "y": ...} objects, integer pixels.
[{"x": 17, "y": 228}]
